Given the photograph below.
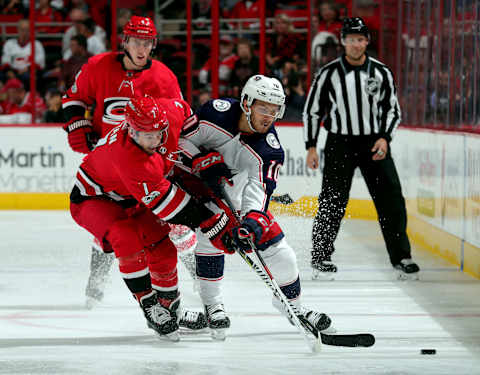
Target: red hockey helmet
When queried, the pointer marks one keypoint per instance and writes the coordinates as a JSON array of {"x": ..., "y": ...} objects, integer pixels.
[
  {"x": 147, "y": 115},
  {"x": 140, "y": 27}
]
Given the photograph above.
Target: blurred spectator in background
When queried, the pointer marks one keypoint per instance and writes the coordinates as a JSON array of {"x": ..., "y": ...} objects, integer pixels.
[
  {"x": 11, "y": 7},
  {"x": 80, "y": 55},
  {"x": 246, "y": 66},
  {"x": 123, "y": 16},
  {"x": 16, "y": 53},
  {"x": 282, "y": 44},
  {"x": 293, "y": 75},
  {"x": 17, "y": 107},
  {"x": 45, "y": 13},
  {"x": 95, "y": 45},
  {"x": 326, "y": 41},
  {"x": 369, "y": 11},
  {"x": 227, "y": 59},
  {"x": 329, "y": 18},
  {"x": 246, "y": 9},
  {"x": 201, "y": 14},
  {"x": 96, "y": 9},
  {"x": 203, "y": 97},
  {"x": 54, "y": 111},
  {"x": 77, "y": 16},
  {"x": 325, "y": 48}
]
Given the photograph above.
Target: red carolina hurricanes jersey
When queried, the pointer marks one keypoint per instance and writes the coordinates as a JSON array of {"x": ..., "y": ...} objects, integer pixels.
[
  {"x": 119, "y": 169},
  {"x": 103, "y": 80}
]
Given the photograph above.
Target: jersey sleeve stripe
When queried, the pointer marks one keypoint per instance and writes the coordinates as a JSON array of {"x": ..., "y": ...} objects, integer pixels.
[
  {"x": 189, "y": 122},
  {"x": 216, "y": 127},
  {"x": 171, "y": 203},
  {"x": 74, "y": 102},
  {"x": 89, "y": 183}
]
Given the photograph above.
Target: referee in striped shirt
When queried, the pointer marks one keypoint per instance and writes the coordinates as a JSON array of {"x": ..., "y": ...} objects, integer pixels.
[{"x": 355, "y": 97}]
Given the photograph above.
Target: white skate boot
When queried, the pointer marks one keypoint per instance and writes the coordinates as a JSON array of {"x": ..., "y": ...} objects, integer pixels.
[{"x": 218, "y": 321}]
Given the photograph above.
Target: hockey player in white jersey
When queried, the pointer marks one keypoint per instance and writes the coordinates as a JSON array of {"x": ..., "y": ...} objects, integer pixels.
[{"x": 236, "y": 141}]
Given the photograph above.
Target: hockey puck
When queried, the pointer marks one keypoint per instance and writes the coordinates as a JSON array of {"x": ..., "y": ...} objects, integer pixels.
[{"x": 428, "y": 351}]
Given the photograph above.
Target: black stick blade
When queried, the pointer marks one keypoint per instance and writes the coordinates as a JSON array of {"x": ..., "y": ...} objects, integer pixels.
[{"x": 361, "y": 339}]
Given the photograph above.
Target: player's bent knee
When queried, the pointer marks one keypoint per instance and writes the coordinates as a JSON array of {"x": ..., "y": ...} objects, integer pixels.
[
  {"x": 150, "y": 229},
  {"x": 162, "y": 256},
  {"x": 132, "y": 263},
  {"x": 281, "y": 261}
]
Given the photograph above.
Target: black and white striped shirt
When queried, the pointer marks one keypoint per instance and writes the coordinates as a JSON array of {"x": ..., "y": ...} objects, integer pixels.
[{"x": 352, "y": 100}]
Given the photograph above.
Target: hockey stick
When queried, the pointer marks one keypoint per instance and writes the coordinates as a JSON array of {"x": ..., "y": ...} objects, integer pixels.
[
  {"x": 300, "y": 322},
  {"x": 304, "y": 327}
]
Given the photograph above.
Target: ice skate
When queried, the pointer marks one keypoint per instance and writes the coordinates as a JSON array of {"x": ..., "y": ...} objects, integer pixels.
[
  {"x": 218, "y": 321},
  {"x": 159, "y": 318},
  {"x": 407, "y": 270},
  {"x": 193, "y": 320},
  {"x": 319, "y": 320},
  {"x": 323, "y": 270}
]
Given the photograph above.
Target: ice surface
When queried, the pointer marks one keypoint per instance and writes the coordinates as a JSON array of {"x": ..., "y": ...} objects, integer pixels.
[{"x": 44, "y": 328}]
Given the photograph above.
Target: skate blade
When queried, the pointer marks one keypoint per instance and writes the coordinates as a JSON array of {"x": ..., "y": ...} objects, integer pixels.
[
  {"x": 330, "y": 330},
  {"x": 402, "y": 276},
  {"x": 323, "y": 276},
  {"x": 173, "y": 337},
  {"x": 218, "y": 334}
]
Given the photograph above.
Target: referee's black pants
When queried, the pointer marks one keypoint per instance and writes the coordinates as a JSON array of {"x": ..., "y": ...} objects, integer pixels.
[{"x": 343, "y": 154}]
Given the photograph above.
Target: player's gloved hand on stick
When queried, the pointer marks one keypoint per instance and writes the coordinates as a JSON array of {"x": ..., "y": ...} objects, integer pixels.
[
  {"x": 253, "y": 226},
  {"x": 216, "y": 229},
  {"x": 81, "y": 137},
  {"x": 213, "y": 171}
]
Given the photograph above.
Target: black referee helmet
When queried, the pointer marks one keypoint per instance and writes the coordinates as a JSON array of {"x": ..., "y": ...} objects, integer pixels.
[{"x": 354, "y": 25}]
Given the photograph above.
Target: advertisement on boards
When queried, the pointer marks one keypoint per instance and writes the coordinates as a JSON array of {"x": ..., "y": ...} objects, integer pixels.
[{"x": 36, "y": 160}]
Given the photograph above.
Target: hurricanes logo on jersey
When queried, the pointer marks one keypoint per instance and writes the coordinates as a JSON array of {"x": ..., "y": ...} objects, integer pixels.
[
  {"x": 127, "y": 83},
  {"x": 114, "y": 110}
]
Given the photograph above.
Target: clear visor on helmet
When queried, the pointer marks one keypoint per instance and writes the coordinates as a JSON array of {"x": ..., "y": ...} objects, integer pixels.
[
  {"x": 268, "y": 110},
  {"x": 160, "y": 135}
]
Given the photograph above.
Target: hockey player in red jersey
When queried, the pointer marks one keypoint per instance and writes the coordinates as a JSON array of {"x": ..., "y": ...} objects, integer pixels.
[
  {"x": 107, "y": 81},
  {"x": 123, "y": 198}
]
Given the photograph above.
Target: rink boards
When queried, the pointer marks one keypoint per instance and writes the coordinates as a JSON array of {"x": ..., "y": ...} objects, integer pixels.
[{"x": 439, "y": 171}]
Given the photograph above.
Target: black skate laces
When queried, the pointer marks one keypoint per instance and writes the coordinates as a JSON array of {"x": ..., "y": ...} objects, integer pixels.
[
  {"x": 216, "y": 311},
  {"x": 189, "y": 316}
]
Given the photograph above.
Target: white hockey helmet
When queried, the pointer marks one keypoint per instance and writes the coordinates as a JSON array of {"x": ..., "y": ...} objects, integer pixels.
[{"x": 263, "y": 88}]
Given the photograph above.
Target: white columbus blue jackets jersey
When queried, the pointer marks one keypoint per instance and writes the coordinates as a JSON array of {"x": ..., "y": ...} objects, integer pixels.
[{"x": 254, "y": 159}]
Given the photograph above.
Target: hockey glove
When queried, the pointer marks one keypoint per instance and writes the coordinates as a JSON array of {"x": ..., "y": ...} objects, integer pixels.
[
  {"x": 215, "y": 229},
  {"x": 213, "y": 171},
  {"x": 81, "y": 137},
  {"x": 253, "y": 226}
]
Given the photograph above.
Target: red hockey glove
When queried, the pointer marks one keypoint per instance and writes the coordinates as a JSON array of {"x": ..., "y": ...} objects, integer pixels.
[
  {"x": 215, "y": 229},
  {"x": 80, "y": 135},
  {"x": 213, "y": 171},
  {"x": 253, "y": 226}
]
